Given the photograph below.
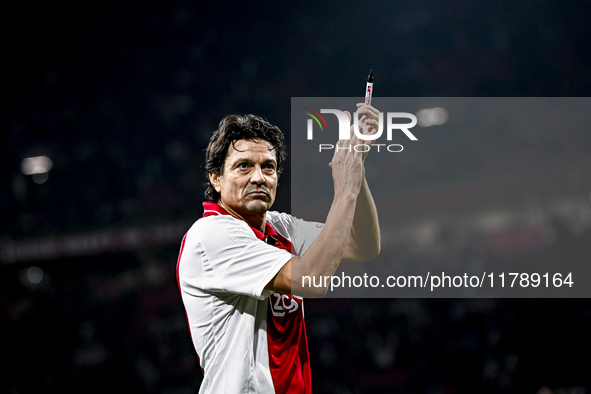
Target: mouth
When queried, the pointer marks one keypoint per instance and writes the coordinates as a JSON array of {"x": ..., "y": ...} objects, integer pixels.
[{"x": 258, "y": 193}]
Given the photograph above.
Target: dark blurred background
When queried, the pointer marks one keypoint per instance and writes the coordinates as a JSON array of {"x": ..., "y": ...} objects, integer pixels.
[{"x": 119, "y": 101}]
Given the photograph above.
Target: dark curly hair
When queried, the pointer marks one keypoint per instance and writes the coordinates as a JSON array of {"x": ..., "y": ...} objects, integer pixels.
[{"x": 231, "y": 129}]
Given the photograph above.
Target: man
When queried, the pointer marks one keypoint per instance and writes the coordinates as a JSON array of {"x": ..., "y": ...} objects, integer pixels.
[{"x": 240, "y": 264}]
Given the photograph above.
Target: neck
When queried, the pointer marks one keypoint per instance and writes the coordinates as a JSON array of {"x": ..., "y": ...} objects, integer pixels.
[{"x": 255, "y": 220}]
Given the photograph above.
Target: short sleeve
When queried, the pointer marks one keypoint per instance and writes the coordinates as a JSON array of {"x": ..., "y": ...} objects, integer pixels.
[
  {"x": 222, "y": 254},
  {"x": 300, "y": 232},
  {"x": 305, "y": 234}
]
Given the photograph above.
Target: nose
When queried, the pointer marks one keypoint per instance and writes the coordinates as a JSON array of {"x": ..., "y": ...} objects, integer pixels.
[{"x": 257, "y": 176}]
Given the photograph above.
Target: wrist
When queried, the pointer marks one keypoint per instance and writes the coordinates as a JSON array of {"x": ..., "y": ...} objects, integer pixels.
[{"x": 347, "y": 198}]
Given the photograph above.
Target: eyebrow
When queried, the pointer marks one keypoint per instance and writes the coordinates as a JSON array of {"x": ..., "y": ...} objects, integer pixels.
[{"x": 249, "y": 160}]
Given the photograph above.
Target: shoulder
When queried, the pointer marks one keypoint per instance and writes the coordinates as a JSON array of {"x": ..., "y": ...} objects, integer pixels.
[
  {"x": 299, "y": 232},
  {"x": 274, "y": 217},
  {"x": 285, "y": 220},
  {"x": 282, "y": 222}
]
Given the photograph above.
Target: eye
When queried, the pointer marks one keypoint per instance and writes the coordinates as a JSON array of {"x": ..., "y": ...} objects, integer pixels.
[
  {"x": 242, "y": 165},
  {"x": 269, "y": 166}
]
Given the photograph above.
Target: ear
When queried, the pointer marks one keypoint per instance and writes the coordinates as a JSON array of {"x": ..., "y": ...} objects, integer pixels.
[{"x": 215, "y": 181}]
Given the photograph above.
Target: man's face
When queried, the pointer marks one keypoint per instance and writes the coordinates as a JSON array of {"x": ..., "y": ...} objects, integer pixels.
[{"x": 249, "y": 179}]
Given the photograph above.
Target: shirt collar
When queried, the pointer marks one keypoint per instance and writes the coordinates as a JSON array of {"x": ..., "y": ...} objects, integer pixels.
[{"x": 270, "y": 236}]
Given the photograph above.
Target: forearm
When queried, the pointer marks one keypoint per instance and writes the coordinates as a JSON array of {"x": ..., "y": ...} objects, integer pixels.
[
  {"x": 364, "y": 239},
  {"x": 323, "y": 257}
]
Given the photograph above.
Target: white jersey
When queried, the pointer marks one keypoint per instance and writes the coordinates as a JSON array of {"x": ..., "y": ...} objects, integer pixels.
[{"x": 248, "y": 339}]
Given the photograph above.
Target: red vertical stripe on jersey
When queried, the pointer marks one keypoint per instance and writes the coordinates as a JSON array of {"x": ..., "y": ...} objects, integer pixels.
[
  {"x": 289, "y": 360},
  {"x": 178, "y": 281}
]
